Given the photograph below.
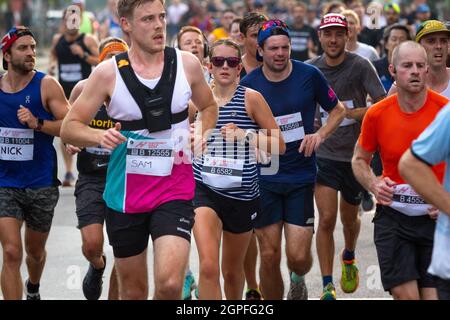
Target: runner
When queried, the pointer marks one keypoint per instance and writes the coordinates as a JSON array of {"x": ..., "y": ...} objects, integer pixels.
[
  {"x": 431, "y": 148},
  {"x": 149, "y": 186},
  {"x": 403, "y": 226},
  {"x": 74, "y": 53},
  {"x": 292, "y": 89},
  {"x": 223, "y": 32},
  {"x": 433, "y": 35},
  {"x": 228, "y": 203},
  {"x": 91, "y": 209},
  {"x": 32, "y": 106},
  {"x": 352, "y": 78},
  {"x": 249, "y": 28}
]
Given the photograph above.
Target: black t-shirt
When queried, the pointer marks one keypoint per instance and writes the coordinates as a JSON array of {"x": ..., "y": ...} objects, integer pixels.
[{"x": 299, "y": 41}]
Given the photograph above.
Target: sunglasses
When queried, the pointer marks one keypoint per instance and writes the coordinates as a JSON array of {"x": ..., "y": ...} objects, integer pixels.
[{"x": 232, "y": 62}]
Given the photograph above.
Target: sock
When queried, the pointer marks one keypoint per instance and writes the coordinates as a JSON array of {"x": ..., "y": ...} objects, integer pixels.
[
  {"x": 326, "y": 280},
  {"x": 295, "y": 277},
  {"x": 348, "y": 255},
  {"x": 32, "y": 288}
]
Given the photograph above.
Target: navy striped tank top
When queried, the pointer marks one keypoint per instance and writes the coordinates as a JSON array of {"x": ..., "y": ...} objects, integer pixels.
[{"x": 229, "y": 168}]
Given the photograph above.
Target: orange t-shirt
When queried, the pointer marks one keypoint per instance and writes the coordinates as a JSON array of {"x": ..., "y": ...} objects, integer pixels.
[{"x": 391, "y": 131}]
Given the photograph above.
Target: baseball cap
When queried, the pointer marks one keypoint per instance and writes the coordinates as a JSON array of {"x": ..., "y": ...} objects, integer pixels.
[
  {"x": 430, "y": 26},
  {"x": 11, "y": 36},
  {"x": 271, "y": 28},
  {"x": 333, "y": 20},
  {"x": 392, "y": 6},
  {"x": 423, "y": 8}
]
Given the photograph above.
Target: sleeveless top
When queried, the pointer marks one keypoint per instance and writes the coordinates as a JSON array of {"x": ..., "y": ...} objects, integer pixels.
[
  {"x": 94, "y": 160},
  {"x": 229, "y": 168},
  {"x": 149, "y": 169},
  {"x": 71, "y": 68},
  {"x": 27, "y": 157}
]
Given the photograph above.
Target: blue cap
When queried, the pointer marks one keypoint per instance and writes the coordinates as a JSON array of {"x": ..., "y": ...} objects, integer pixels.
[
  {"x": 423, "y": 8},
  {"x": 271, "y": 28}
]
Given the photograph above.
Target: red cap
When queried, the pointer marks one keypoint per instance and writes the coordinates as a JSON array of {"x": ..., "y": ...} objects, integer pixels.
[{"x": 333, "y": 20}]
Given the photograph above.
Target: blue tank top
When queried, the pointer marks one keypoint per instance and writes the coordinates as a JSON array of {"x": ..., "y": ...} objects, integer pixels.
[
  {"x": 27, "y": 157},
  {"x": 230, "y": 169}
]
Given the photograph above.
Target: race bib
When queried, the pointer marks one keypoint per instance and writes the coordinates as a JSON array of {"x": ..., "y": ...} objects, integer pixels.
[
  {"x": 71, "y": 72},
  {"x": 408, "y": 201},
  {"x": 150, "y": 157},
  {"x": 346, "y": 122},
  {"x": 16, "y": 144},
  {"x": 223, "y": 173},
  {"x": 98, "y": 151},
  {"x": 291, "y": 127}
]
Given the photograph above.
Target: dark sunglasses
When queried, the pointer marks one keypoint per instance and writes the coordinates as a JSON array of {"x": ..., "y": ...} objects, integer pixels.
[{"x": 232, "y": 62}]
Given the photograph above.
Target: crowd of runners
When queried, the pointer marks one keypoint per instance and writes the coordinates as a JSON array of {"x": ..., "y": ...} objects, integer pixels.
[{"x": 232, "y": 135}]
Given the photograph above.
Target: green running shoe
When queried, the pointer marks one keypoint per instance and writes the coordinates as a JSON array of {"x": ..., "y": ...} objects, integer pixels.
[
  {"x": 329, "y": 292},
  {"x": 350, "y": 276}
]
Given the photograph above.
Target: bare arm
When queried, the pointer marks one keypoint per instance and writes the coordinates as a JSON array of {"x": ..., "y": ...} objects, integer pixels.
[
  {"x": 54, "y": 102},
  {"x": 312, "y": 142},
  {"x": 76, "y": 91},
  {"x": 92, "y": 45},
  {"x": 75, "y": 129},
  {"x": 381, "y": 188},
  {"x": 420, "y": 176},
  {"x": 202, "y": 96},
  {"x": 260, "y": 112},
  {"x": 359, "y": 113},
  {"x": 53, "y": 61}
]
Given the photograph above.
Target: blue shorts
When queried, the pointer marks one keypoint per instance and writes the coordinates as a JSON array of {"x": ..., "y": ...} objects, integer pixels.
[{"x": 290, "y": 203}]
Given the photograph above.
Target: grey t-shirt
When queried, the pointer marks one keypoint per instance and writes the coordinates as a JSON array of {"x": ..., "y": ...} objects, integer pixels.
[{"x": 352, "y": 80}]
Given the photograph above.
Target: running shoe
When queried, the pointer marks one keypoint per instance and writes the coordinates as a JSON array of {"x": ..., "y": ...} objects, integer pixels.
[
  {"x": 297, "y": 288},
  {"x": 189, "y": 286},
  {"x": 350, "y": 276},
  {"x": 30, "y": 295},
  {"x": 367, "y": 203},
  {"x": 253, "y": 294},
  {"x": 93, "y": 282},
  {"x": 329, "y": 292}
]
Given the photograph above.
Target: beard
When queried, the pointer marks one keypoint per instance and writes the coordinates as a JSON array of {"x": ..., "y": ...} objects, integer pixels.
[
  {"x": 22, "y": 67},
  {"x": 337, "y": 54}
]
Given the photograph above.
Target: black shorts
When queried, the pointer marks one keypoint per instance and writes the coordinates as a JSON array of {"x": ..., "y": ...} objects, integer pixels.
[
  {"x": 443, "y": 288},
  {"x": 90, "y": 206},
  {"x": 287, "y": 202},
  {"x": 129, "y": 233},
  {"x": 404, "y": 246},
  {"x": 237, "y": 216},
  {"x": 34, "y": 206},
  {"x": 339, "y": 175}
]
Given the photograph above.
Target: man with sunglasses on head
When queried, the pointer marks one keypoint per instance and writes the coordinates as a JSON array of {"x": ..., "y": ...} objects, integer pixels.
[
  {"x": 352, "y": 78},
  {"x": 32, "y": 106},
  {"x": 292, "y": 90}
]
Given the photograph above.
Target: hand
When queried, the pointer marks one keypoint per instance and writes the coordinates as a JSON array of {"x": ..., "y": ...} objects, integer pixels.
[
  {"x": 198, "y": 143},
  {"x": 112, "y": 137},
  {"x": 231, "y": 132},
  {"x": 310, "y": 144},
  {"x": 348, "y": 111},
  {"x": 70, "y": 149},
  {"x": 384, "y": 191},
  {"x": 51, "y": 70},
  {"x": 26, "y": 118},
  {"x": 433, "y": 212},
  {"x": 77, "y": 50}
]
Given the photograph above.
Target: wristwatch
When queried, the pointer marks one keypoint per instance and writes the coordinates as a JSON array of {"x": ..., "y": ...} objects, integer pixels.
[
  {"x": 40, "y": 124},
  {"x": 249, "y": 136}
]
